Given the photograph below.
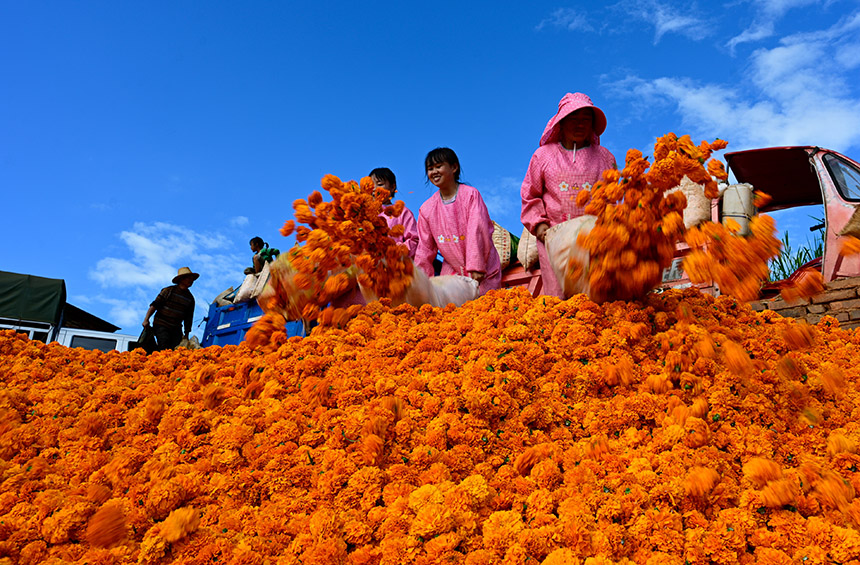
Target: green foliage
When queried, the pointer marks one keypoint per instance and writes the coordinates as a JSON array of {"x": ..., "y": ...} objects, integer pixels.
[{"x": 789, "y": 260}]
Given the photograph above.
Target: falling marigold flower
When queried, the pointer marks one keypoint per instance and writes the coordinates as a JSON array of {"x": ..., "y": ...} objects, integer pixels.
[
  {"x": 737, "y": 359},
  {"x": 288, "y": 228},
  {"x": 849, "y": 245},
  {"x": 700, "y": 481},
  {"x": 761, "y": 199},
  {"x": 806, "y": 283},
  {"x": 760, "y": 471},
  {"x": 717, "y": 169}
]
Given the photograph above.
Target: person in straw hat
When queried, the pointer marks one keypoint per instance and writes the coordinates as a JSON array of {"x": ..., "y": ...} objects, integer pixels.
[
  {"x": 173, "y": 306},
  {"x": 569, "y": 159}
]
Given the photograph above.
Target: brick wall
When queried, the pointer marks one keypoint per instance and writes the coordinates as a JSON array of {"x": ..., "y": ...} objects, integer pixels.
[{"x": 840, "y": 299}]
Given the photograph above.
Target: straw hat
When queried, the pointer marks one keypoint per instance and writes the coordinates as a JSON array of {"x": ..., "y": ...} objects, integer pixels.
[{"x": 185, "y": 272}]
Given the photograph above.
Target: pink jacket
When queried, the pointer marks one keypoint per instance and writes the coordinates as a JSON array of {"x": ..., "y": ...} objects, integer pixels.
[
  {"x": 462, "y": 232},
  {"x": 410, "y": 229}
]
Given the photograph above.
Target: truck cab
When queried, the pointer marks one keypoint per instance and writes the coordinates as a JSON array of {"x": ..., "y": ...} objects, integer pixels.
[{"x": 804, "y": 176}]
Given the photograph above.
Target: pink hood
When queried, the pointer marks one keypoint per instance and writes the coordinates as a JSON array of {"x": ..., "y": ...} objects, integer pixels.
[{"x": 570, "y": 103}]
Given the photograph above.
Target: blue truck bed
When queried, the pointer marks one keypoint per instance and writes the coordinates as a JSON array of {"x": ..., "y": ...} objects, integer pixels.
[{"x": 227, "y": 325}]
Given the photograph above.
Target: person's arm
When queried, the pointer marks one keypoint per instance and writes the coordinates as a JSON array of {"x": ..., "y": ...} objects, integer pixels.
[
  {"x": 189, "y": 318},
  {"x": 149, "y": 314},
  {"x": 156, "y": 304},
  {"x": 425, "y": 252},
  {"x": 258, "y": 263},
  {"x": 410, "y": 231},
  {"x": 533, "y": 215},
  {"x": 479, "y": 239}
]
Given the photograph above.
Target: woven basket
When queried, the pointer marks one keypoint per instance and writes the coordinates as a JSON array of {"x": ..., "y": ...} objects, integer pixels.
[{"x": 502, "y": 242}]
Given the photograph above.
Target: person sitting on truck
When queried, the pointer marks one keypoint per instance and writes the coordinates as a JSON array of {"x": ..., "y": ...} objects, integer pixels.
[
  {"x": 384, "y": 180},
  {"x": 262, "y": 254},
  {"x": 569, "y": 159},
  {"x": 454, "y": 222},
  {"x": 173, "y": 307}
]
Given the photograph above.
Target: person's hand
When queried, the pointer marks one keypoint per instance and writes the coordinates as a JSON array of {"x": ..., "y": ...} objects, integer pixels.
[
  {"x": 477, "y": 275},
  {"x": 146, "y": 323},
  {"x": 540, "y": 231}
]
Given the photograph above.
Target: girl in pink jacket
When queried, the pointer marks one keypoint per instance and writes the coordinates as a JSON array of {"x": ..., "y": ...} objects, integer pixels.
[
  {"x": 569, "y": 159},
  {"x": 384, "y": 179},
  {"x": 455, "y": 222}
]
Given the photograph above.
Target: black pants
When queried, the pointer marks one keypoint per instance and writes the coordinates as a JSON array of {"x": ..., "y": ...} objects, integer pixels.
[{"x": 168, "y": 337}]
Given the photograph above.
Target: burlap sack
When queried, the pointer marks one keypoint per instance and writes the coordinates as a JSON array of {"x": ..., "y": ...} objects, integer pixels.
[
  {"x": 502, "y": 243},
  {"x": 527, "y": 252},
  {"x": 262, "y": 279},
  {"x": 222, "y": 300},
  {"x": 247, "y": 288},
  {"x": 561, "y": 247},
  {"x": 852, "y": 228},
  {"x": 698, "y": 208}
]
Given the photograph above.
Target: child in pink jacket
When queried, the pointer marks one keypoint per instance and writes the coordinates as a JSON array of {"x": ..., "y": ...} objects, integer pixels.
[
  {"x": 569, "y": 159},
  {"x": 455, "y": 222},
  {"x": 384, "y": 179}
]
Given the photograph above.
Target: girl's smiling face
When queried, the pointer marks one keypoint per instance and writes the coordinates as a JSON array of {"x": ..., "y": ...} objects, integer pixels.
[
  {"x": 382, "y": 186},
  {"x": 442, "y": 174}
]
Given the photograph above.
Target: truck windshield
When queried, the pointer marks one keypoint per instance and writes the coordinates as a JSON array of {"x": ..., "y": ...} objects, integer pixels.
[{"x": 846, "y": 176}]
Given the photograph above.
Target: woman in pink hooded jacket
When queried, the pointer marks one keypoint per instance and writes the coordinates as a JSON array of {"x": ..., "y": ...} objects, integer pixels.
[{"x": 569, "y": 159}]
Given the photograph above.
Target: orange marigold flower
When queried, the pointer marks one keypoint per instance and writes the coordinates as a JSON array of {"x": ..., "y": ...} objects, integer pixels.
[
  {"x": 700, "y": 481},
  {"x": 288, "y": 228},
  {"x": 761, "y": 199},
  {"x": 717, "y": 169},
  {"x": 849, "y": 245},
  {"x": 838, "y": 443},
  {"x": 737, "y": 359},
  {"x": 760, "y": 471},
  {"x": 799, "y": 335},
  {"x": 806, "y": 283},
  {"x": 582, "y": 197}
]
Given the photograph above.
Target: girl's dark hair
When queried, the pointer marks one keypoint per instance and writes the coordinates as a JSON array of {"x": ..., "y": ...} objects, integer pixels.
[
  {"x": 386, "y": 174},
  {"x": 442, "y": 155},
  {"x": 259, "y": 241}
]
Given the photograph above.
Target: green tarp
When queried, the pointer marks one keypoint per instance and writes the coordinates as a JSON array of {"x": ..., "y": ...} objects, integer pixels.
[{"x": 37, "y": 299}]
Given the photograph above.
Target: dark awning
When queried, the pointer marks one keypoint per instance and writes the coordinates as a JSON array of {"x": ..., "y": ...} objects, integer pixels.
[
  {"x": 785, "y": 173},
  {"x": 27, "y": 297},
  {"x": 76, "y": 318}
]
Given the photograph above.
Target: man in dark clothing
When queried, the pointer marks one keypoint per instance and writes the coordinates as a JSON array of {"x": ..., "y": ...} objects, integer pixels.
[{"x": 173, "y": 306}]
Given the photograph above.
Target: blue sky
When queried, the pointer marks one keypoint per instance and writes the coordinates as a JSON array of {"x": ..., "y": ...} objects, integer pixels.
[{"x": 140, "y": 137}]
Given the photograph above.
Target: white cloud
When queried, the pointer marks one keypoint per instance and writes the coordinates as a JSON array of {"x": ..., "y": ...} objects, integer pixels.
[
  {"x": 667, "y": 21},
  {"x": 239, "y": 221},
  {"x": 502, "y": 198},
  {"x": 755, "y": 32},
  {"x": 566, "y": 18},
  {"x": 791, "y": 97},
  {"x": 682, "y": 20},
  {"x": 155, "y": 253},
  {"x": 768, "y": 13}
]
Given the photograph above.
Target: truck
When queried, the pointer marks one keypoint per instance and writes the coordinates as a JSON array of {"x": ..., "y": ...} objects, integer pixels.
[
  {"x": 801, "y": 175},
  {"x": 228, "y": 324},
  {"x": 37, "y": 307}
]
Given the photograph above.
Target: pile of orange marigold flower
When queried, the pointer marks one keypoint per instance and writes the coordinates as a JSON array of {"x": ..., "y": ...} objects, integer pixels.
[
  {"x": 343, "y": 243},
  {"x": 678, "y": 429}
]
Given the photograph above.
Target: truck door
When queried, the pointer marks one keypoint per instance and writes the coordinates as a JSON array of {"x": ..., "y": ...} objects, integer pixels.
[{"x": 840, "y": 184}]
